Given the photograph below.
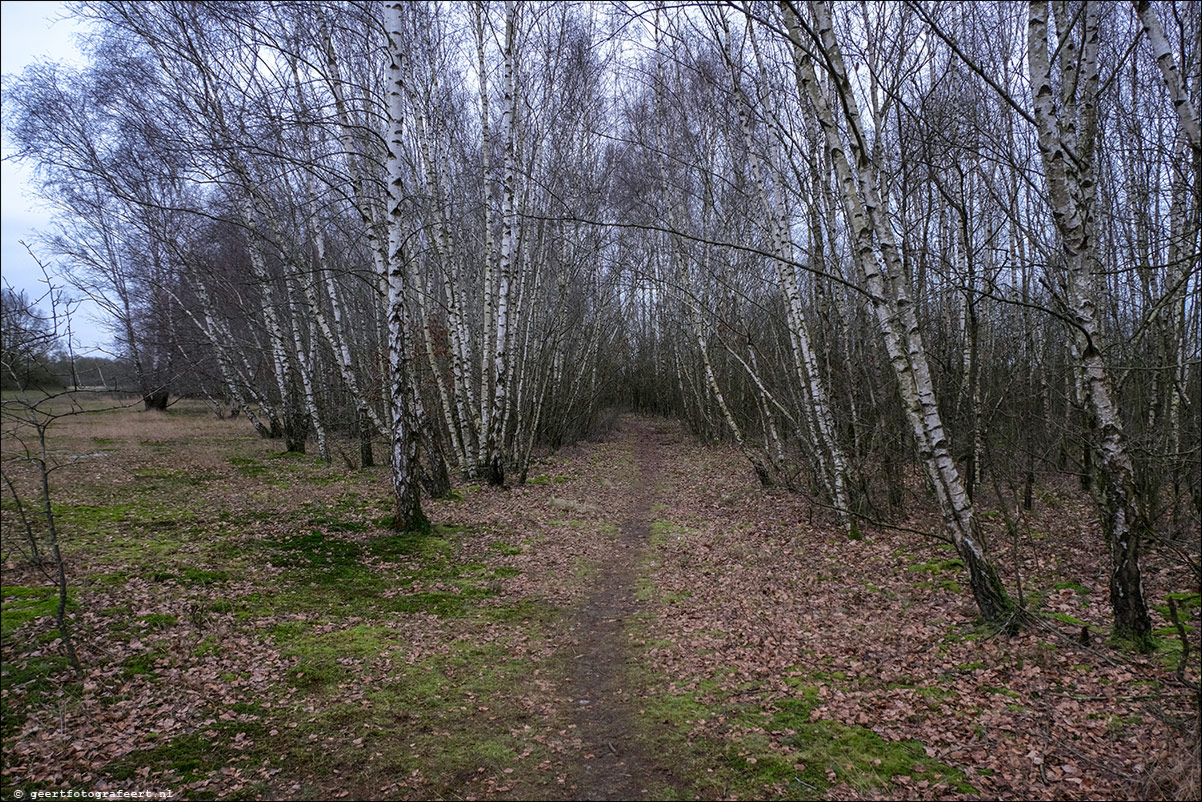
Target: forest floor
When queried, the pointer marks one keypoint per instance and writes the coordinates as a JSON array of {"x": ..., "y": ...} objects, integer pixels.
[{"x": 639, "y": 620}]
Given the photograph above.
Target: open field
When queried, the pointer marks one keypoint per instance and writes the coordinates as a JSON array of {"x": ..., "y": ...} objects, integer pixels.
[{"x": 638, "y": 620}]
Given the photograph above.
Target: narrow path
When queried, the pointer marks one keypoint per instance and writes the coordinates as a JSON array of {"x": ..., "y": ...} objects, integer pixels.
[{"x": 613, "y": 764}]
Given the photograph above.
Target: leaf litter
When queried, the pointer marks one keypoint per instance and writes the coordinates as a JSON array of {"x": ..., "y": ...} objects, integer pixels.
[{"x": 220, "y": 663}]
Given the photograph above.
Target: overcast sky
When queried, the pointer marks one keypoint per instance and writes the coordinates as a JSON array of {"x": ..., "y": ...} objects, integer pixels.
[{"x": 32, "y": 32}]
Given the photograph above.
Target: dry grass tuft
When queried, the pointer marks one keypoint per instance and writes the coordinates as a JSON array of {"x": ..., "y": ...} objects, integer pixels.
[{"x": 1177, "y": 774}]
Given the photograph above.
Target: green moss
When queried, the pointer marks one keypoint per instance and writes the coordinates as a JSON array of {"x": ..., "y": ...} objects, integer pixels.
[
  {"x": 197, "y": 576},
  {"x": 139, "y": 664},
  {"x": 786, "y": 749},
  {"x": 525, "y": 612},
  {"x": 1167, "y": 644},
  {"x": 21, "y": 673},
  {"x": 430, "y": 544},
  {"x": 247, "y": 467},
  {"x": 194, "y": 755},
  {"x": 1130, "y": 642},
  {"x": 1065, "y": 618},
  {"x": 441, "y": 603},
  {"x": 170, "y": 478},
  {"x": 320, "y": 558},
  {"x": 320, "y": 657},
  {"x": 664, "y": 532},
  {"x": 1185, "y": 602},
  {"x": 89, "y": 516},
  {"x": 157, "y": 620},
  {"x": 1077, "y": 586},
  {"x": 333, "y": 523},
  {"x": 209, "y": 647},
  {"x": 854, "y": 755},
  {"x": 32, "y": 681},
  {"x": 461, "y": 712},
  {"x": 20, "y": 605}
]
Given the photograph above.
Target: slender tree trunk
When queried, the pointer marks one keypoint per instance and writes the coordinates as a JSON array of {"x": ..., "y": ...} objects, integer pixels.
[
  {"x": 877, "y": 255},
  {"x": 408, "y": 514},
  {"x": 1071, "y": 129}
]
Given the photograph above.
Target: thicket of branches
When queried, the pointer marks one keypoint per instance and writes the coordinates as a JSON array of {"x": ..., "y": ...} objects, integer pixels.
[{"x": 855, "y": 239}]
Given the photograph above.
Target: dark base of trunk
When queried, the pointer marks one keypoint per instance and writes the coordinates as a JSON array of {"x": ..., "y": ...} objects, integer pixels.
[
  {"x": 364, "y": 426},
  {"x": 494, "y": 473},
  {"x": 409, "y": 517},
  {"x": 296, "y": 432},
  {"x": 436, "y": 479},
  {"x": 1131, "y": 621},
  {"x": 156, "y": 400},
  {"x": 763, "y": 474},
  {"x": 995, "y": 605}
]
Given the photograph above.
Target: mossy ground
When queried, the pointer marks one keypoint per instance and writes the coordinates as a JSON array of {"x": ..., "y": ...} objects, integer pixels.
[
  {"x": 734, "y": 739},
  {"x": 264, "y": 606},
  {"x": 251, "y": 628}
]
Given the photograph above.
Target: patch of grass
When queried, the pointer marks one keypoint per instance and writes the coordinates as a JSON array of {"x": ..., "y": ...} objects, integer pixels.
[
  {"x": 250, "y": 468},
  {"x": 20, "y": 605},
  {"x": 92, "y": 516},
  {"x": 664, "y": 532},
  {"x": 157, "y": 620},
  {"x": 198, "y": 576},
  {"x": 170, "y": 478},
  {"x": 139, "y": 664},
  {"x": 441, "y": 603},
  {"x": 779, "y": 751},
  {"x": 410, "y": 572},
  {"x": 31, "y": 680},
  {"x": 323, "y": 658},
  {"x": 524, "y": 612},
  {"x": 1185, "y": 602},
  {"x": 434, "y": 544},
  {"x": 461, "y": 713},
  {"x": 192, "y": 756},
  {"x": 209, "y": 647},
  {"x": 320, "y": 558},
  {"x": 1077, "y": 586}
]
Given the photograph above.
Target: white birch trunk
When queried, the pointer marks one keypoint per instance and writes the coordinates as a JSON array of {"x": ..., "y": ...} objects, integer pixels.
[
  {"x": 1187, "y": 115},
  {"x": 877, "y": 256},
  {"x": 494, "y": 461},
  {"x": 1066, "y": 141},
  {"x": 408, "y": 515}
]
